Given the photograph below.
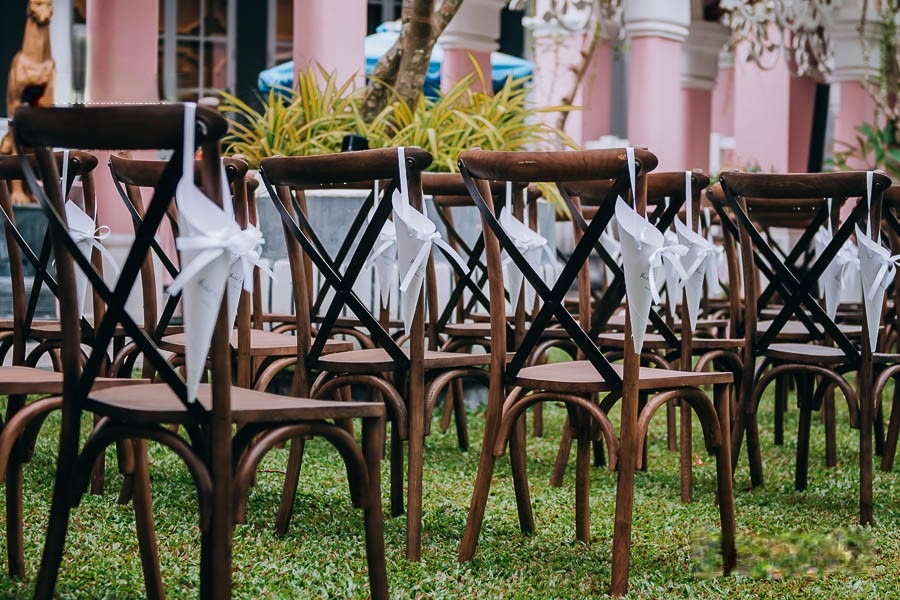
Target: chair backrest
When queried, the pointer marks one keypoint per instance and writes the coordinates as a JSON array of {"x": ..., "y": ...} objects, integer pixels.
[
  {"x": 25, "y": 299},
  {"x": 449, "y": 192},
  {"x": 132, "y": 177},
  {"x": 666, "y": 194},
  {"x": 757, "y": 200},
  {"x": 131, "y": 127},
  {"x": 286, "y": 178},
  {"x": 478, "y": 167}
]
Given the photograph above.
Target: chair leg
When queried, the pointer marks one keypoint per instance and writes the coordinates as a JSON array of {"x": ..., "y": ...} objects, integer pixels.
[
  {"x": 98, "y": 473},
  {"x": 781, "y": 397},
  {"x": 562, "y": 455},
  {"x": 449, "y": 407},
  {"x": 890, "y": 441},
  {"x": 143, "y": 518},
  {"x": 583, "y": 489},
  {"x": 15, "y": 544},
  {"x": 687, "y": 451},
  {"x": 372, "y": 442},
  {"x": 866, "y": 401},
  {"x": 627, "y": 463},
  {"x": 459, "y": 414},
  {"x": 538, "y": 425},
  {"x": 671, "y": 429},
  {"x": 878, "y": 429},
  {"x": 803, "y": 428},
  {"x": 520, "y": 476},
  {"x": 397, "y": 499},
  {"x": 724, "y": 478},
  {"x": 415, "y": 467},
  {"x": 479, "y": 498},
  {"x": 289, "y": 491},
  {"x": 828, "y": 419}
]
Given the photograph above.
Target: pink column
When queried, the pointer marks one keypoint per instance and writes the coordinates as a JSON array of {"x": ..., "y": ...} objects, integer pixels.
[
  {"x": 656, "y": 30},
  {"x": 122, "y": 47},
  {"x": 699, "y": 68},
  {"x": 457, "y": 63},
  {"x": 331, "y": 34},
  {"x": 696, "y": 105},
  {"x": 654, "y": 100},
  {"x": 474, "y": 30}
]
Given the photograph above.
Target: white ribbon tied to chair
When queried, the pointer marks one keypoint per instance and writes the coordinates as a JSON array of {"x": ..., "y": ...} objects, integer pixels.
[
  {"x": 644, "y": 249},
  {"x": 876, "y": 271},
  {"x": 384, "y": 257},
  {"x": 530, "y": 243},
  {"x": 835, "y": 277},
  {"x": 416, "y": 234},
  {"x": 701, "y": 255},
  {"x": 87, "y": 236},
  {"x": 217, "y": 254}
]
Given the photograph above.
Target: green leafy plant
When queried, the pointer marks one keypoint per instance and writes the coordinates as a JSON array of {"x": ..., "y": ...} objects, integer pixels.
[
  {"x": 314, "y": 117},
  {"x": 878, "y": 147}
]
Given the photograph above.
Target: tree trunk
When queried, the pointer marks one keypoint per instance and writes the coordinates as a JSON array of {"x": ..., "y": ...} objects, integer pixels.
[{"x": 404, "y": 66}]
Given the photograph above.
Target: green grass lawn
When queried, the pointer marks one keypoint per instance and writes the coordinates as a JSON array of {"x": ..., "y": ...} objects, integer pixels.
[{"x": 790, "y": 544}]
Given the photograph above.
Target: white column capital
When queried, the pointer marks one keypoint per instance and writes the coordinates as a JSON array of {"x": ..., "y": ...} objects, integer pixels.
[
  {"x": 476, "y": 26},
  {"x": 668, "y": 19},
  {"x": 700, "y": 54},
  {"x": 852, "y": 49}
]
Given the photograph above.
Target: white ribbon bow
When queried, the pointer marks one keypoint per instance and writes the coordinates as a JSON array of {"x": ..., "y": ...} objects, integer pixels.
[
  {"x": 415, "y": 234},
  {"x": 527, "y": 241}
]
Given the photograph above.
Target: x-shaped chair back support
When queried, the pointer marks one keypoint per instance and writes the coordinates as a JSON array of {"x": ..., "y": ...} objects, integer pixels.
[
  {"x": 81, "y": 164},
  {"x": 449, "y": 191},
  {"x": 478, "y": 166},
  {"x": 782, "y": 193},
  {"x": 130, "y": 176},
  {"x": 283, "y": 175},
  {"x": 132, "y": 127},
  {"x": 584, "y": 198}
]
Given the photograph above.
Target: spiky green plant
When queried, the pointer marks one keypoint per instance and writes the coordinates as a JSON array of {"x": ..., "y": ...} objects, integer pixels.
[{"x": 314, "y": 117}]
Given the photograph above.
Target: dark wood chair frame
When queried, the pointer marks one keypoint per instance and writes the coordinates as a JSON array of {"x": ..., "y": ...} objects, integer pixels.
[
  {"x": 798, "y": 293},
  {"x": 587, "y": 418},
  {"x": 221, "y": 464}
]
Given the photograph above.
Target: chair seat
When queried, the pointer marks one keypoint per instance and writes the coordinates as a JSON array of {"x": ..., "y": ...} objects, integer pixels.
[
  {"x": 580, "y": 376},
  {"x": 8, "y": 323},
  {"x": 617, "y": 322},
  {"x": 655, "y": 341},
  {"x": 157, "y": 403},
  {"x": 468, "y": 330},
  {"x": 31, "y": 380},
  {"x": 795, "y": 331},
  {"x": 806, "y": 354},
  {"x": 262, "y": 343},
  {"x": 377, "y": 360}
]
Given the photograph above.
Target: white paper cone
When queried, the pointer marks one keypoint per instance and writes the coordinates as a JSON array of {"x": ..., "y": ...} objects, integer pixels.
[
  {"x": 384, "y": 260},
  {"x": 876, "y": 269},
  {"x": 695, "y": 261},
  {"x": 639, "y": 240},
  {"x": 830, "y": 281},
  {"x": 414, "y": 231},
  {"x": 82, "y": 230},
  {"x": 673, "y": 282}
]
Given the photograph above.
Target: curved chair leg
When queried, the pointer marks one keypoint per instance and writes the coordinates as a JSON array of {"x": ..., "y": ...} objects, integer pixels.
[
  {"x": 686, "y": 456},
  {"x": 143, "y": 518},
  {"x": 289, "y": 491},
  {"x": 459, "y": 414},
  {"x": 373, "y": 516},
  {"x": 520, "y": 476},
  {"x": 583, "y": 481},
  {"x": 804, "y": 394},
  {"x": 15, "y": 544},
  {"x": 562, "y": 455},
  {"x": 724, "y": 478},
  {"x": 828, "y": 419},
  {"x": 781, "y": 402}
]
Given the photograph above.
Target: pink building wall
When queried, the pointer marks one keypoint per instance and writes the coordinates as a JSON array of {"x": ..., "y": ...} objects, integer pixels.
[{"x": 331, "y": 34}]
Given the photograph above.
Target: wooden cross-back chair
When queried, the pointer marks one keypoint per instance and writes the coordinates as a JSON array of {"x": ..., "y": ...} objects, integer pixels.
[
  {"x": 260, "y": 354},
  {"x": 221, "y": 463},
  {"x": 675, "y": 339},
  {"x": 823, "y": 365},
  {"x": 45, "y": 332},
  {"x": 515, "y": 386},
  {"x": 410, "y": 378},
  {"x": 20, "y": 428}
]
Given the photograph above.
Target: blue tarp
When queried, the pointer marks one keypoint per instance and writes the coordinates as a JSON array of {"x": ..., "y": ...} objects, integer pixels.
[{"x": 377, "y": 44}]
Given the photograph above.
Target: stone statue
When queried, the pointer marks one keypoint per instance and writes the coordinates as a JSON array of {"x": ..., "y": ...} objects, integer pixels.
[{"x": 31, "y": 75}]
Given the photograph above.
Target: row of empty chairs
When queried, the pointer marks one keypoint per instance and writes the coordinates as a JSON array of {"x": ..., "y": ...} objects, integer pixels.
[{"x": 335, "y": 348}]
